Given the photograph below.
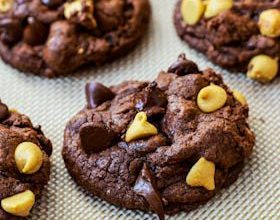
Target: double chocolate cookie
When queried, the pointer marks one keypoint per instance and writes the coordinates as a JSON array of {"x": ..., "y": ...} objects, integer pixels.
[
  {"x": 164, "y": 146},
  {"x": 55, "y": 37},
  {"x": 24, "y": 164},
  {"x": 239, "y": 35}
]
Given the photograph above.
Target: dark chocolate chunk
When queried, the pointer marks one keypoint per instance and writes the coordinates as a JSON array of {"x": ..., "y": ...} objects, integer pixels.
[
  {"x": 35, "y": 33},
  {"x": 145, "y": 186},
  {"x": 183, "y": 66},
  {"x": 52, "y": 3},
  {"x": 4, "y": 112},
  {"x": 11, "y": 30},
  {"x": 94, "y": 139},
  {"x": 96, "y": 94}
]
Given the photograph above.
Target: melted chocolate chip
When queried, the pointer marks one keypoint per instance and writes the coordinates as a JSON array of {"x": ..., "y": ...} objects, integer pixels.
[
  {"x": 11, "y": 30},
  {"x": 145, "y": 186},
  {"x": 156, "y": 97},
  {"x": 96, "y": 94},
  {"x": 152, "y": 99},
  {"x": 183, "y": 66},
  {"x": 35, "y": 33},
  {"x": 52, "y": 3},
  {"x": 4, "y": 112},
  {"x": 95, "y": 139}
]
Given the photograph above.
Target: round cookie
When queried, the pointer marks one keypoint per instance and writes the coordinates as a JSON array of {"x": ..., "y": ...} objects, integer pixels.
[
  {"x": 232, "y": 33},
  {"x": 56, "y": 37},
  {"x": 24, "y": 164},
  {"x": 164, "y": 146}
]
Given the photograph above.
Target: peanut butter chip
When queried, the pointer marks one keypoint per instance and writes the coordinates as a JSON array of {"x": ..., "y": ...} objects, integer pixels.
[
  {"x": 269, "y": 23},
  {"x": 80, "y": 12},
  {"x": 202, "y": 174},
  {"x": 78, "y": 6},
  {"x": 211, "y": 98},
  {"x": 28, "y": 157},
  {"x": 262, "y": 68},
  {"x": 13, "y": 110},
  {"x": 6, "y": 5},
  {"x": 19, "y": 204},
  {"x": 215, "y": 7},
  {"x": 192, "y": 10},
  {"x": 70, "y": 8},
  {"x": 239, "y": 97},
  {"x": 140, "y": 128}
]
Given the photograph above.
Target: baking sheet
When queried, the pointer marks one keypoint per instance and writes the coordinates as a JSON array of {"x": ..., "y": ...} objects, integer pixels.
[{"x": 255, "y": 195}]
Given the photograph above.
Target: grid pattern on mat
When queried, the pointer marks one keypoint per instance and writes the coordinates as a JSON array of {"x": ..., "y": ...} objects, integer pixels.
[{"x": 255, "y": 195}]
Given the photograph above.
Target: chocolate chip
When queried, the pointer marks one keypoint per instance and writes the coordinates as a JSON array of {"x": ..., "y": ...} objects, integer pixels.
[
  {"x": 35, "y": 33},
  {"x": 145, "y": 186},
  {"x": 4, "y": 112},
  {"x": 96, "y": 94},
  {"x": 52, "y": 3},
  {"x": 112, "y": 39},
  {"x": 183, "y": 66},
  {"x": 156, "y": 97},
  {"x": 128, "y": 10},
  {"x": 94, "y": 138},
  {"x": 152, "y": 97},
  {"x": 11, "y": 30}
]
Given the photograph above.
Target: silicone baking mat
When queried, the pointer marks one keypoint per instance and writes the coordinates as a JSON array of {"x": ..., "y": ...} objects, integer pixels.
[{"x": 255, "y": 195}]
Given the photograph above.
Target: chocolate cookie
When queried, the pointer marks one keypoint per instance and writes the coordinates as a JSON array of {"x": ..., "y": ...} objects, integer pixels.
[
  {"x": 55, "y": 37},
  {"x": 238, "y": 35},
  {"x": 164, "y": 146},
  {"x": 24, "y": 164}
]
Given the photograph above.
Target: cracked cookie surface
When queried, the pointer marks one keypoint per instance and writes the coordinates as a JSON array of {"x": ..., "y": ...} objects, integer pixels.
[
  {"x": 16, "y": 128},
  {"x": 149, "y": 172},
  {"x": 233, "y": 37},
  {"x": 56, "y": 37}
]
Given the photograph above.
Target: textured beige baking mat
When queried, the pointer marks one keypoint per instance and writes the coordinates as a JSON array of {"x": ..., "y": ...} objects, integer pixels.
[{"x": 255, "y": 195}]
